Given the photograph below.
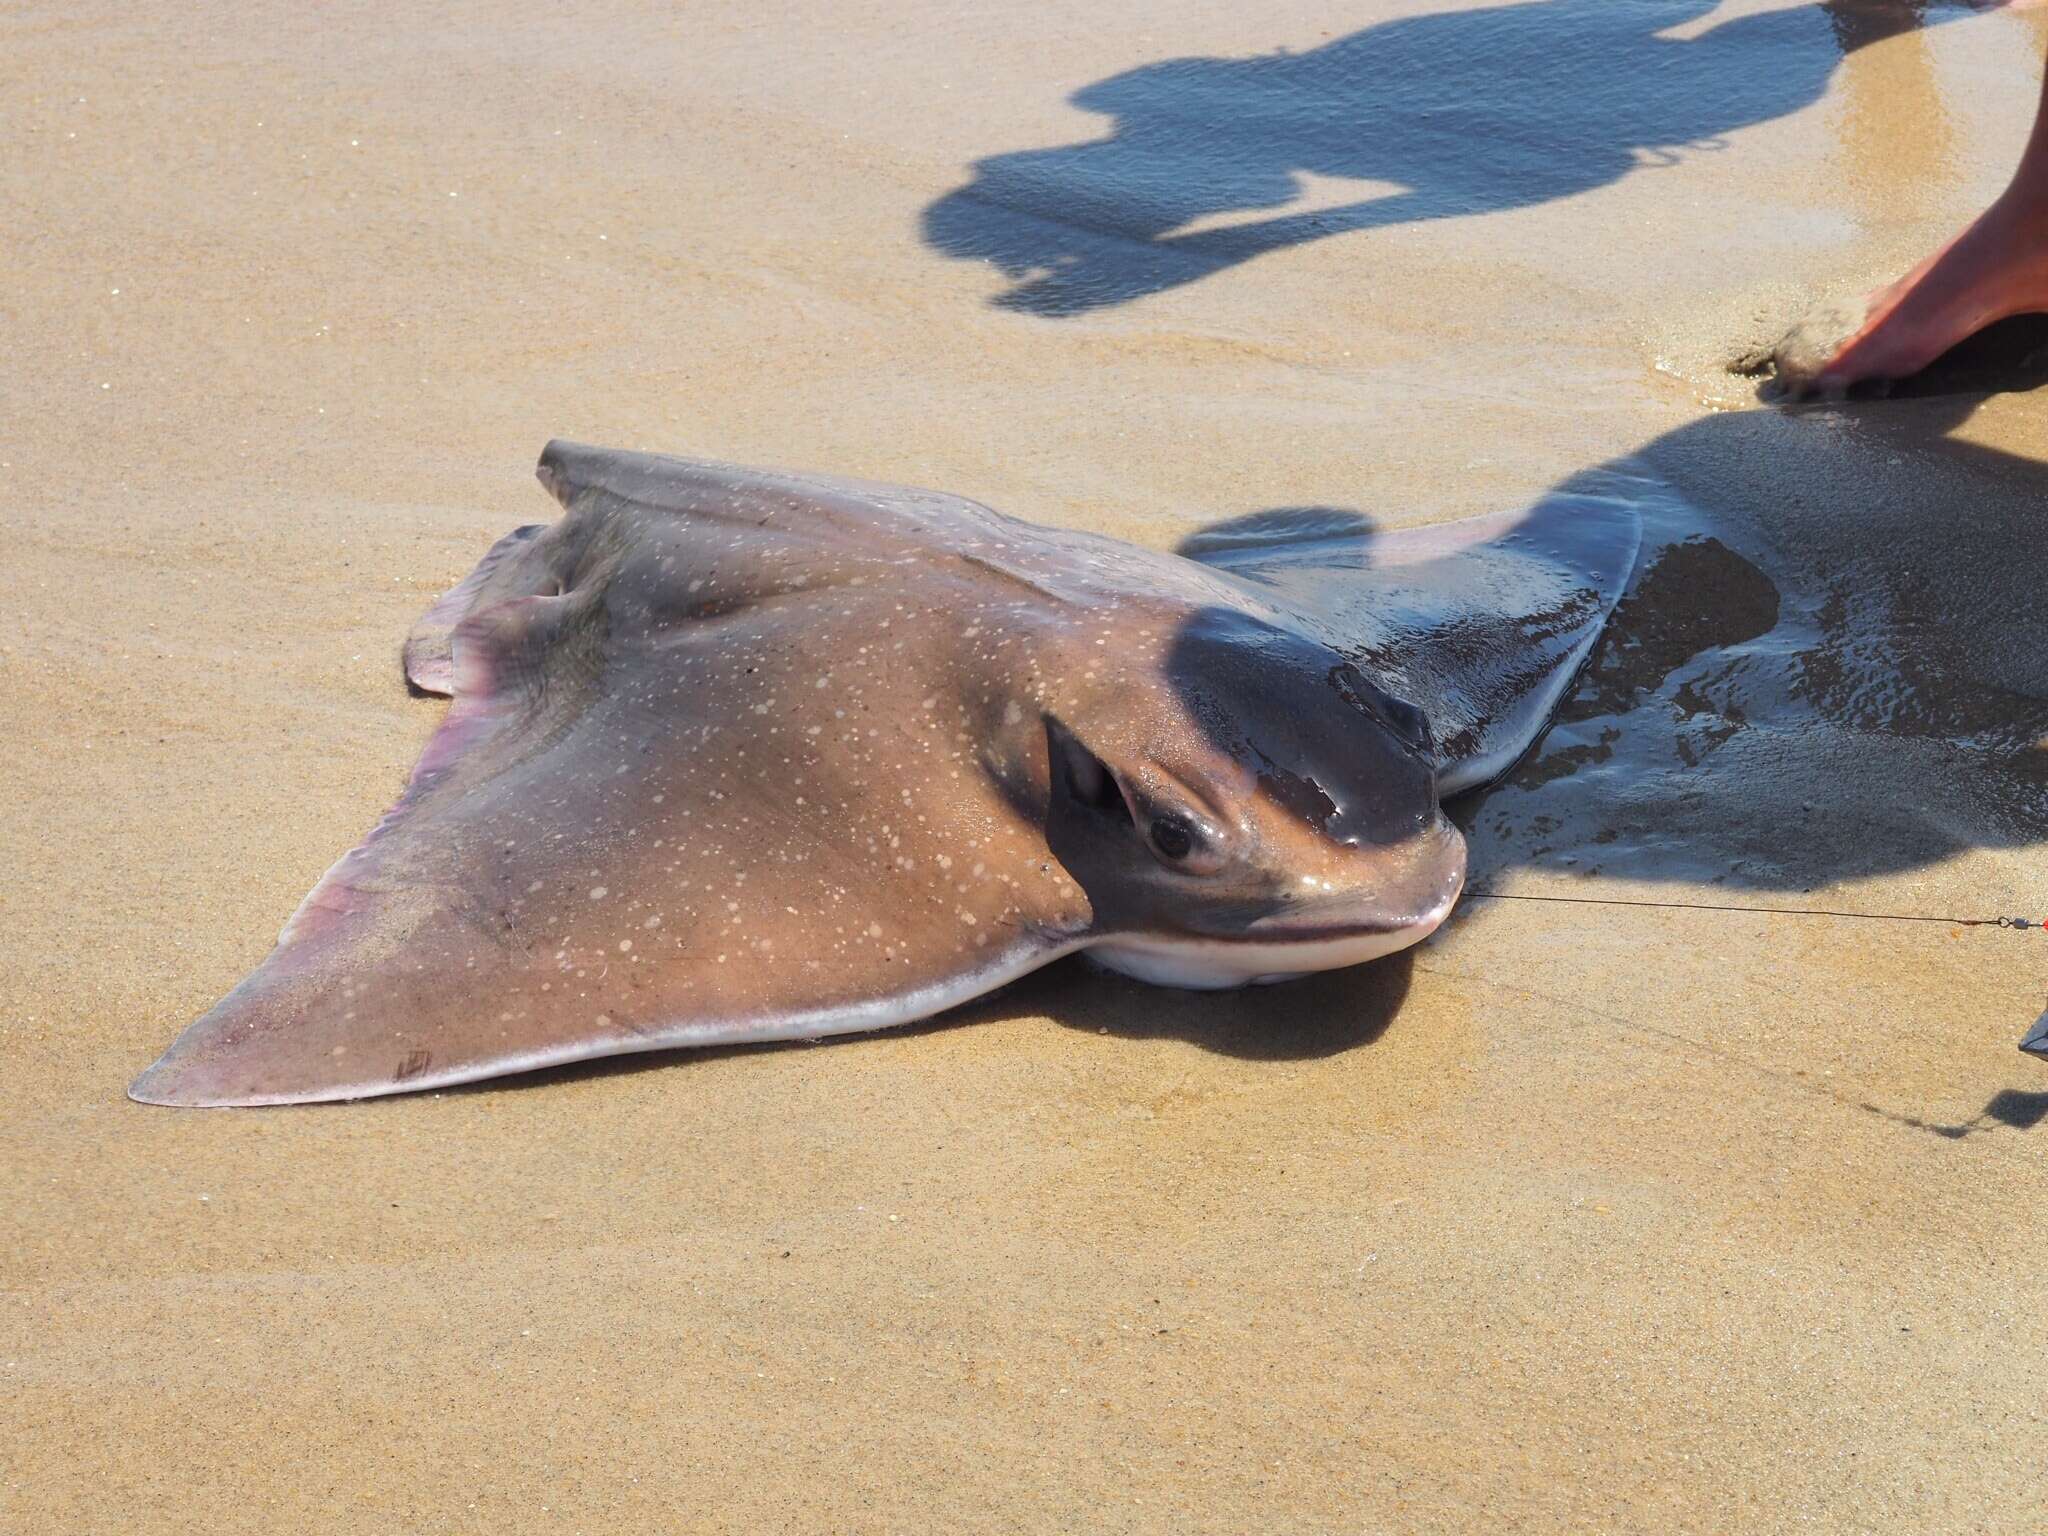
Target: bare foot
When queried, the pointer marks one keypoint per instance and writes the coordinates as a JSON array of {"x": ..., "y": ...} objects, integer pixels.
[{"x": 1995, "y": 269}]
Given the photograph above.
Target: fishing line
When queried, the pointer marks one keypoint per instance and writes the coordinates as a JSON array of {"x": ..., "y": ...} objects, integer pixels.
[
  {"x": 1709, "y": 906},
  {"x": 2035, "y": 1042}
]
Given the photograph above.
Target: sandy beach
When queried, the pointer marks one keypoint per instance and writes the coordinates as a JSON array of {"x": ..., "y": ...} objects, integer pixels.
[{"x": 1577, "y": 1217}]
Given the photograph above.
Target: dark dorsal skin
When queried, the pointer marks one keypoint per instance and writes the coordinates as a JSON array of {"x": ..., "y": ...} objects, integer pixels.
[{"x": 737, "y": 755}]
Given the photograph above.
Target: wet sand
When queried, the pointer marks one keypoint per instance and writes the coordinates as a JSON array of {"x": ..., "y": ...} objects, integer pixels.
[{"x": 1609, "y": 1218}]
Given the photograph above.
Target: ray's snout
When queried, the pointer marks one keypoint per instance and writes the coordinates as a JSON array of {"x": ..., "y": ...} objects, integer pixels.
[
  {"x": 1405, "y": 890},
  {"x": 1417, "y": 886},
  {"x": 1377, "y": 902}
]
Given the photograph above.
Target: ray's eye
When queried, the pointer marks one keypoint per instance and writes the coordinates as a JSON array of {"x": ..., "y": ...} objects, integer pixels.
[
  {"x": 1174, "y": 838},
  {"x": 1184, "y": 843}
]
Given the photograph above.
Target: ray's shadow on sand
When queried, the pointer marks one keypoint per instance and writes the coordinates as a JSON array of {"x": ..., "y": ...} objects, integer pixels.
[
  {"x": 1436, "y": 116},
  {"x": 1324, "y": 1014}
]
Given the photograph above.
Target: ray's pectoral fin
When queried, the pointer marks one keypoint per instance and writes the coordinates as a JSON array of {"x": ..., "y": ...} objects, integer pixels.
[
  {"x": 373, "y": 984},
  {"x": 1483, "y": 623},
  {"x": 587, "y": 861}
]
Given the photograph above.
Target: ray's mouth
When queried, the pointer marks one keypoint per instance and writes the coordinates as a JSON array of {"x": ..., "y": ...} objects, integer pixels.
[
  {"x": 1411, "y": 900},
  {"x": 1290, "y": 939},
  {"x": 1321, "y": 919}
]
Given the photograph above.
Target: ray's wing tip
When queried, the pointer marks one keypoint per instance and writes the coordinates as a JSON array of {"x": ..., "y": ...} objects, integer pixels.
[
  {"x": 1617, "y": 522},
  {"x": 568, "y": 468},
  {"x": 188, "y": 1082},
  {"x": 1599, "y": 539},
  {"x": 1628, "y": 528},
  {"x": 557, "y": 449},
  {"x": 181, "y": 1084},
  {"x": 551, "y": 469},
  {"x": 162, "y": 1084},
  {"x": 167, "y": 1086}
]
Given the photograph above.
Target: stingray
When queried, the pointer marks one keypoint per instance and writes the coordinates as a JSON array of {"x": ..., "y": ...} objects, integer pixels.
[{"x": 737, "y": 755}]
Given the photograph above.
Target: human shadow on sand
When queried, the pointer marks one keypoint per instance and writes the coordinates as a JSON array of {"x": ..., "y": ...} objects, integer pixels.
[{"x": 1453, "y": 113}]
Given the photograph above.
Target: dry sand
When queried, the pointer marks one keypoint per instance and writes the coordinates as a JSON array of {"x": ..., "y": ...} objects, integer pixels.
[{"x": 1579, "y": 1217}]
